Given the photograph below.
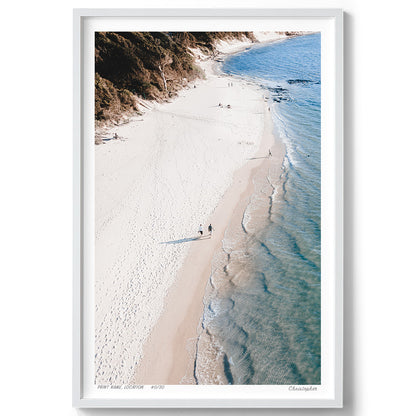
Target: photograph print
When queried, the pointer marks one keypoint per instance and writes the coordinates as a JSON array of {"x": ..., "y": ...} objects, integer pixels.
[{"x": 207, "y": 183}]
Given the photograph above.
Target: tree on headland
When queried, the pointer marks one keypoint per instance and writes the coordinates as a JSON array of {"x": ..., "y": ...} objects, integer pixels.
[{"x": 164, "y": 60}]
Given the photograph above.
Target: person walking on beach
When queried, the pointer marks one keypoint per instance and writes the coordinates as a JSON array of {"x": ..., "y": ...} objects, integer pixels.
[
  {"x": 270, "y": 153},
  {"x": 210, "y": 229},
  {"x": 201, "y": 231}
]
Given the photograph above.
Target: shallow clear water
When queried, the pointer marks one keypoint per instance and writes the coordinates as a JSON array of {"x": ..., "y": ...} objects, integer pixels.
[{"x": 262, "y": 320}]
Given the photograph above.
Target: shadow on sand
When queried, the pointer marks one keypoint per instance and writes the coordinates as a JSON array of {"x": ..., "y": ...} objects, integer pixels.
[
  {"x": 261, "y": 157},
  {"x": 119, "y": 139},
  {"x": 186, "y": 240}
]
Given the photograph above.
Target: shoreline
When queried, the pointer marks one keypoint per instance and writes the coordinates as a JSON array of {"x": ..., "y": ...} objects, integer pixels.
[
  {"x": 194, "y": 154},
  {"x": 170, "y": 350}
]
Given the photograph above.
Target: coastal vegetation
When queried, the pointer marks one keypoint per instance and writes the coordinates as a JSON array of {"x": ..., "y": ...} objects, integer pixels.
[{"x": 130, "y": 66}]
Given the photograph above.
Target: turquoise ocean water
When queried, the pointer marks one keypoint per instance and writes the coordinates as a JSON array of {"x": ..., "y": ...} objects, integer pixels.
[{"x": 262, "y": 317}]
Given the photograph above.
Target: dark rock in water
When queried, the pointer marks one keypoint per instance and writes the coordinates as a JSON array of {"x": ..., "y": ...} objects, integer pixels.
[
  {"x": 302, "y": 81},
  {"x": 277, "y": 89},
  {"x": 299, "y": 81},
  {"x": 278, "y": 93},
  {"x": 280, "y": 98}
]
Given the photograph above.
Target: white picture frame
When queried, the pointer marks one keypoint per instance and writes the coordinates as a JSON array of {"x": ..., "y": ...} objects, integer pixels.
[{"x": 81, "y": 271}]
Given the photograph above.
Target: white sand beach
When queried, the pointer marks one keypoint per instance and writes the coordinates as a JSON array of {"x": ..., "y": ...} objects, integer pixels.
[{"x": 181, "y": 164}]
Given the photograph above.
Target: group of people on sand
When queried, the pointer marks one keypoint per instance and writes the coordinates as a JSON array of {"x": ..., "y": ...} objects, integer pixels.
[
  {"x": 201, "y": 230},
  {"x": 227, "y": 106}
]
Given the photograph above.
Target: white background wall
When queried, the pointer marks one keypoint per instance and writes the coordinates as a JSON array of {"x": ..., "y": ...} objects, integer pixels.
[{"x": 36, "y": 206}]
